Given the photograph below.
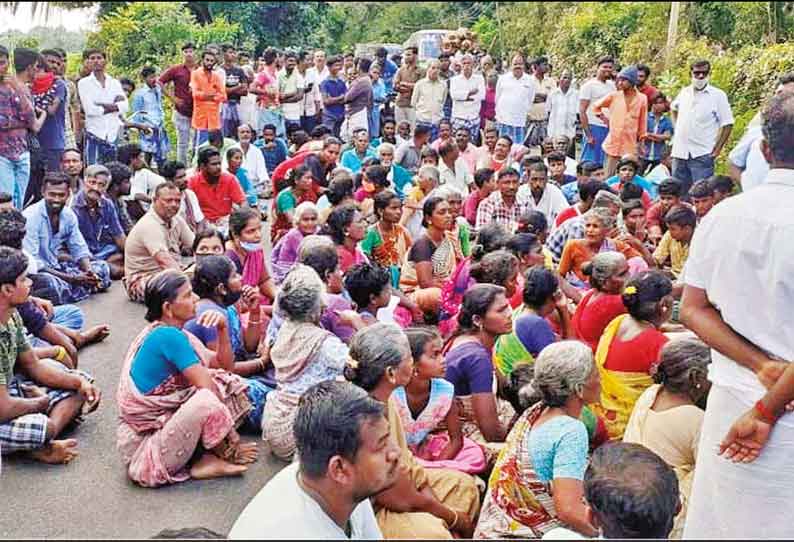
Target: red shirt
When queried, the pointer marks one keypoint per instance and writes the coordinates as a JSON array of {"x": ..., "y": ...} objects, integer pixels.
[
  {"x": 180, "y": 76},
  {"x": 280, "y": 173},
  {"x": 567, "y": 214},
  {"x": 649, "y": 91},
  {"x": 470, "y": 207},
  {"x": 636, "y": 355},
  {"x": 592, "y": 317},
  {"x": 216, "y": 200}
]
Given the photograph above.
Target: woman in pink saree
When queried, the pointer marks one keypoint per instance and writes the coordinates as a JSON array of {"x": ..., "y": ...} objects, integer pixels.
[{"x": 177, "y": 416}]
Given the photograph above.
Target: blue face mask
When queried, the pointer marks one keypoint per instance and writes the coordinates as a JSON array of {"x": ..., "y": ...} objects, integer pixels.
[{"x": 250, "y": 247}]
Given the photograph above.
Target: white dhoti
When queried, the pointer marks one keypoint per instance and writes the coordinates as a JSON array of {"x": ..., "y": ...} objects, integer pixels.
[
  {"x": 352, "y": 124},
  {"x": 741, "y": 500}
]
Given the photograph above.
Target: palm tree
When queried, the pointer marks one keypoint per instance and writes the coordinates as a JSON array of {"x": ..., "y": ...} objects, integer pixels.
[{"x": 44, "y": 7}]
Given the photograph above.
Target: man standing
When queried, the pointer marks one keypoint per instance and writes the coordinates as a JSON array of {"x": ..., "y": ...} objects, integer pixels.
[
  {"x": 104, "y": 103},
  {"x": 16, "y": 105},
  {"x": 562, "y": 105},
  {"x": 209, "y": 92},
  {"x": 333, "y": 90},
  {"x": 52, "y": 134},
  {"x": 236, "y": 87},
  {"x": 593, "y": 128},
  {"x": 628, "y": 118},
  {"x": 346, "y": 455},
  {"x": 428, "y": 98},
  {"x": 358, "y": 101},
  {"x": 265, "y": 86},
  {"x": 216, "y": 190},
  {"x": 703, "y": 123},
  {"x": 312, "y": 100},
  {"x": 737, "y": 292},
  {"x": 642, "y": 82},
  {"x": 99, "y": 221},
  {"x": 291, "y": 89},
  {"x": 404, "y": 82},
  {"x": 157, "y": 241},
  {"x": 319, "y": 71},
  {"x": 147, "y": 107},
  {"x": 468, "y": 92},
  {"x": 388, "y": 69},
  {"x": 179, "y": 92},
  {"x": 515, "y": 94},
  {"x": 538, "y": 117},
  {"x": 539, "y": 195},
  {"x": 502, "y": 206},
  {"x": 51, "y": 225}
]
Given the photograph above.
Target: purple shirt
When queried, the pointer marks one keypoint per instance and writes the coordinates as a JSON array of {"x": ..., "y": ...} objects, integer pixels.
[
  {"x": 98, "y": 230},
  {"x": 469, "y": 369},
  {"x": 16, "y": 114}
]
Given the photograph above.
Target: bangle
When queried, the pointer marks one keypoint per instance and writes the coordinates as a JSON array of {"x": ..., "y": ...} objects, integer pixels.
[
  {"x": 454, "y": 522},
  {"x": 60, "y": 353},
  {"x": 765, "y": 414},
  {"x": 261, "y": 365}
]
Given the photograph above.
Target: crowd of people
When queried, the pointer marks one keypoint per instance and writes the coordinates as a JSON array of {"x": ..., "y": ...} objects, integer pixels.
[{"x": 492, "y": 304}]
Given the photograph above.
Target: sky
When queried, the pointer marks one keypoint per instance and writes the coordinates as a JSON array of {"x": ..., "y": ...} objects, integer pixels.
[{"x": 73, "y": 20}]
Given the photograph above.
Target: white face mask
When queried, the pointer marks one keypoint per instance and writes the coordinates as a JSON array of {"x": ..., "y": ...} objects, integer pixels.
[{"x": 700, "y": 84}]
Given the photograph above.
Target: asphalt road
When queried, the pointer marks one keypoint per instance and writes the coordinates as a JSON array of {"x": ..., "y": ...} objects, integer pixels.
[{"x": 91, "y": 497}]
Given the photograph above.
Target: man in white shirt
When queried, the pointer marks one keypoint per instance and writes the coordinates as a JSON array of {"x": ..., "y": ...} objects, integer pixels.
[
  {"x": 538, "y": 195},
  {"x": 593, "y": 128},
  {"x": 143, "y": 182},
  {"x": 452, "y": 169},
  {"x": 312, "y": 99},
  {"x": 346, "y": 454},
  {"x": 538, "y": 116},
  {"x": 703, "y": 123},
  {"x": 428, "y": 99},
  {"x": 467, "y": 91},
  {"x": 515, "y": 94},
  {"x": 562, "y": 105},
  {"x": 103, "y": 102},
  {"x": 291, "y": 89},
  {"x": 253, "y": 159},
  {"x": 737, "y": 297},
  {"x": 319, "y": 71}
]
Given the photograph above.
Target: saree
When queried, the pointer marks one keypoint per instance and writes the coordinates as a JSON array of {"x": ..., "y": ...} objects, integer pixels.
[
  {"x": 426, "y": 436},
  {"x": 387, "y": 249},
  {"x": 509, "y": 351},
  {"x": 591, "y": 317},
  {"x": 517, "y": 504},
  {"x": 619, "y": 389},
  {"x": 144, "y": 418}
]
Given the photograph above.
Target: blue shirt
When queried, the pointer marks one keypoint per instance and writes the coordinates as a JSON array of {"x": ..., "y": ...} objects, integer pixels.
[
  {"x": 147, "y": 105},
  {"x": 351, "y": 161},
  {"x": 43, "y": 244},
  {"x": 658, "y": 126},
  {"x": 642, "y": 182},
  {"x": 100, "y": 230},
  {"x": 248, "y": 188},
  {"x": 387, "y": 73},
  {"x": 571, "y": 192},
  {"x": 210, "y": 334},
  {"x": 165, "y": 352},
  {"x": 51, "y": 135},
  {"x": 333, "y": 88},
  {"x": 558, "y": 449},
  {"x": 274, "y": 156}
]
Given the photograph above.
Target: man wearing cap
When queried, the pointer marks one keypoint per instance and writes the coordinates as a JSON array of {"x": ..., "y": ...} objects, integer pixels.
[{"x": 628, "y": 112}]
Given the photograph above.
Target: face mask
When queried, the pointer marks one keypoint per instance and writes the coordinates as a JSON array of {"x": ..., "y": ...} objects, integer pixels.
[
  {"x": 700, "y": 84},
  {"x": 250, "y": 247}
]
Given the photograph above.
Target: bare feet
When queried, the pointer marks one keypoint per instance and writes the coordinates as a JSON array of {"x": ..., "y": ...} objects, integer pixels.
[
  {"x": 93, "y": 335},
  {"x": 246, "y": 453},
  {"x": 212, "y": 466},
  {"x": 57, "y": 452}
]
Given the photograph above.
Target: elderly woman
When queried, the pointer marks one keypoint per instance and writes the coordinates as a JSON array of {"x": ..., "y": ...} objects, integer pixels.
[
  {"x": 177, "y": 416},
  {"x": 630, "y": 346},
  {"x": 303, "y": 355},
  {"x": 427, "y": 179},
  {"x": 424, "y": 503},
  {"x": 668, "y": 416},
  {"x": 532, "y": 332},
  {"x": 398, "y": 176},
  {"x": 536, "y": 484},
  {"x": 603, "y": 303},
  {"x": 285, "y": 253},
  {"x": 599, "y": 222},
  {"x": 484, "y": 315}
]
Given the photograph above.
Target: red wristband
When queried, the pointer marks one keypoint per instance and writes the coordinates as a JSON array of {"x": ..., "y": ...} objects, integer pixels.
[{"x": 764, "y": 413}]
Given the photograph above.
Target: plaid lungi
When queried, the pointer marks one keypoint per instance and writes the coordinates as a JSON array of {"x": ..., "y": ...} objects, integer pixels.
[{"x": 515, "y": 133}]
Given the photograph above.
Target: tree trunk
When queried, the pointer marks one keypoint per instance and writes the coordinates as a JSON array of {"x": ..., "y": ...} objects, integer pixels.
[{"x": 672, "y": 31}]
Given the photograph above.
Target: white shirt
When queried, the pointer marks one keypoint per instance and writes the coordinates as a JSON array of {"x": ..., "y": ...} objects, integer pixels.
[
  {"x": 743, "y": 257},
  {"x": 428, "y": 100},
  {"x": 318, "y": 77},
  {"x": 747, "y": 156},
  {"x": 701, "y": 114},
  {"x": 255, "y": 166},
  {"x": 311, "y": 97},
  {"x": 144, "y": 181},
  {"x": 282, "y": 510},
  {"x": 192, "y": 200},
  {"x": 563, "y": 108},
  {"x": 459, "y": 88},
  {"x": 291, "y": 111},
  {"x": 458, "y": 177},
  {"x": 513, "y": 99},
  {"x": 551, "y": 203},
  {"x": 561, "y": 533},
  {"x": 103, "y": 125},
  {"x": 594, "y": 90}
]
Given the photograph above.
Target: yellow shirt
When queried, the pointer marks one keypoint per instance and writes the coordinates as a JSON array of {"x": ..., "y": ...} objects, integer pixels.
[{"x": 677, "y": 251}]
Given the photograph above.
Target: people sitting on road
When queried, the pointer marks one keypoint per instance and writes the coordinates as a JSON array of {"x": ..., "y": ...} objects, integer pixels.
[{"x": 216, "y": 190}]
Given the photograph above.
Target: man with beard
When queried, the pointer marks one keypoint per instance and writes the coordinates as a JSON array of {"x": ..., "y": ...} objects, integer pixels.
[
  {"x": 179, "y": 92},
  {"x": 217, "y": 191},
  {"x": 209, "y": 92},
  {"x": 253, "y": 159},
  {"x": 72, "y": 167},
  {"x": 236, "y": 87},
  {"x": 72, "y": 275},
  {"x": 502, "y": 206},
  {"x": 99, "y": 221},
  {"x": 540, "y": 195},
  {"x": 346, "y": 455},
  {"x": 157, "y": 241}
]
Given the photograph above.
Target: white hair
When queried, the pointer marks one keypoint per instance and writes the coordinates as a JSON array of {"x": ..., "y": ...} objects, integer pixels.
[
  {"x": 562, "y": 370},
  {"x": 301, "y": 295},
  {"x": 302, "y": 209}
]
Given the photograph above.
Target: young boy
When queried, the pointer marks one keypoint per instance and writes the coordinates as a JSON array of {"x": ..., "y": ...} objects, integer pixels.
[
  {"x": 584, "y": 172},
  {"x": 722, "y": 186},
  {"x": 660, "y": 131},
  {"x": 557, "y": 175},
  {"x": 674, "y": 246},
  {"x": 702, "y": 196},
  {"x": 485, "y": 180}
]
